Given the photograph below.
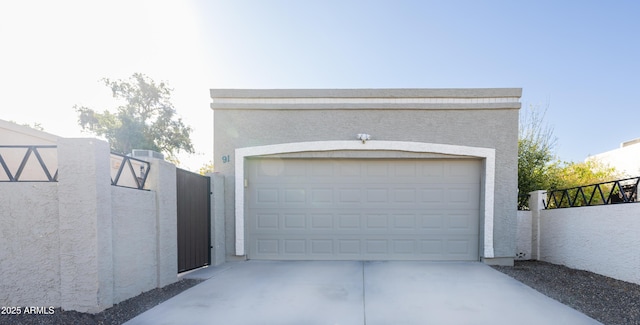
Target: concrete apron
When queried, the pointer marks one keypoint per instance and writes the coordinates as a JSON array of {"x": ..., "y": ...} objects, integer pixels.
[{"x": 353, "y": 292}]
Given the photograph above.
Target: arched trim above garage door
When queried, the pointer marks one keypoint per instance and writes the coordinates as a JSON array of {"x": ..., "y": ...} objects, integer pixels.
[{"x": 488, "y": 154}]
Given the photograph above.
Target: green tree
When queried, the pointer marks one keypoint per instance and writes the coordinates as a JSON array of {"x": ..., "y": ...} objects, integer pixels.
[
  {"x": 536, "y": 157},
  {"x": 538, "y": 166},
  {"x": 144, "y": 120},
  {"x": 573, "y": 174},
  {"x": 206, "y": 168},
  {"x": 570, "y": 176}
]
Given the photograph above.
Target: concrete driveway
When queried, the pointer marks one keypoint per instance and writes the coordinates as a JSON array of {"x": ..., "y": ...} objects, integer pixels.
[{"x": 353, "y": 292}]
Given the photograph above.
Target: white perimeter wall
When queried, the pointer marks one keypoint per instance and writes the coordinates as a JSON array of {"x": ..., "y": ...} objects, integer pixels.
[
  {"x": 82, "y": 244},
  {"x": 29, "y": 245},
  {"x": 601, "y": 239},
  {"x": 523, "y": 235},
  {"x": 134, "y": 242}
]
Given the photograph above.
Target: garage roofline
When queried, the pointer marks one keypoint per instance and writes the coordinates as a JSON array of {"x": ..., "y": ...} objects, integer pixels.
[
  {"x": 348, "y": 99},
  {"x": 488, "y": 154},
  {"x": 514, "y": 93}
]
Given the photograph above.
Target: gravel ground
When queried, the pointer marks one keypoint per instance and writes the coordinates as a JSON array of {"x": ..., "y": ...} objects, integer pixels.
[
  {"x": 117, "y": 314},
  {"x": 608, "y": 300}
]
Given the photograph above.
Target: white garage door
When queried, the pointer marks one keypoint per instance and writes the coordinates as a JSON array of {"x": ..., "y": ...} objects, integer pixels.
[{"x": 363, "y": 209}]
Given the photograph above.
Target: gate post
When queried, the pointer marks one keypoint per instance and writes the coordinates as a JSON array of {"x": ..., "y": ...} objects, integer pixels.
[
  {"x": 162, "y": 180},
  {"x": 218, "y": 246},
  {"x": 536, "y": 205}
]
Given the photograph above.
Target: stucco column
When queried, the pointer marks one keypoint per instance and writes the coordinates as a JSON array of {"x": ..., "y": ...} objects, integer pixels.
[
  {"x": 86, "y": 252},
  {"x": 218, "y": 247},
  {"x": 162, "y": 180},
  {"x": 536, "y": 205}
]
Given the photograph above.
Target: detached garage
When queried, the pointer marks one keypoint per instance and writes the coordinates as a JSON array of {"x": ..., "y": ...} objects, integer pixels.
[{"x": 374, "y": 174}]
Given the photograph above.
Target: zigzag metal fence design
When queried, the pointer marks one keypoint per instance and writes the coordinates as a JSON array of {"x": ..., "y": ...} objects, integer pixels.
[
  {"x": 39, "y": 163},
  {"x": 523, "y": 202},
  {"x": 613, "y": 192},
  {"x": 27, "y": 164},
  {"x": 128, "y": 171}
]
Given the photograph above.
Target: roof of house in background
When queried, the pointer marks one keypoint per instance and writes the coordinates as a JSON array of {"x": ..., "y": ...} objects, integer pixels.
[
  {"x": 15, "y": 134},
  {"x": 624, "y": 158}
]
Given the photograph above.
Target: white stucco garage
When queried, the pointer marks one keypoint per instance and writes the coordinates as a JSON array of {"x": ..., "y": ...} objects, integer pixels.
[{"x": 436, "y": 180}]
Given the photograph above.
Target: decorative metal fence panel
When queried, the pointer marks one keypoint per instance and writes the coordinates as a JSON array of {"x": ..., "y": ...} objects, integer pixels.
[
  {"x": 613, "y": 192},
  {"x": 523, "y": 202},
  {"x": 22, "y": 163},
  {"x": 128, "y": 171}
]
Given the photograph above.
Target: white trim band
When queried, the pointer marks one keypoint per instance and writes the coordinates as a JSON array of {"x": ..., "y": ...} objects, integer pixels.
[{"x": 419, "y": 100}]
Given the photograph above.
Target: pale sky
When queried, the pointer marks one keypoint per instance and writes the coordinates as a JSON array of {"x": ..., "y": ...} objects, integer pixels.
[{"x": 581, "y": 58}]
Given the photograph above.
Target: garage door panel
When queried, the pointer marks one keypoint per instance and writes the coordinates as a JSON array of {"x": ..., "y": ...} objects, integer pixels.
[
  {"x": 404, "y": 195},
  {"x": 267, "y": 246},
  {"x": 321, "y": 196},
  {"x": 349, "y": 196},
  {"x": 295, "y": 247},
  {"x": 377, "y": 169},
  {"x": 267, "y": 221},
  {"x": 405, "y": 247},
  {"x": 321, "y": 247},
  {"x": 461, "y": 196},
  {"x": 363, "y": 209},
  {"x": 348, "y": 248},
  {"x": 267, "y": 196},
  {"x": 431, "y": 220},
  {"x": 434, "y": 170},
  {"x": 294, "y": 221},
  {"x": 434, "y": 197},
  {"x": 459, "y": 247},
  {"x": 366, "y": 221},
  {"x": 349, "y": 170},
  {"x": 461, "y": 222},
  {"x": 462, "y": 168},
  {"x": 403, "y": 222},
  {"x": 319, "y": 169},
  {"x": 295, "y": 195},
  {"x": 349, "y": 221},
  {"x": 376, "y": 247},
  {"x": 377, "y": 195},
  {"x": 321, "y": 222},
  {"x": 408, "y": 170},
  {"x": 436, "y": 248}
]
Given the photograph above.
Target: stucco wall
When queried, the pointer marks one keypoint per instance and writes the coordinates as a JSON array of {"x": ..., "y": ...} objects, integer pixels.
[
  {"x": 162, "y": 181},
  {"x": 478, "y": 125},
  {"x": 134, "y": 242},
  {"x": 29, "y": 244},
  {"x": 84, "y": 194},
  {"x": 218, "y": 251},
  {"x": 600, "y": 239},
  {"x": 81, "y": 243},
  {"x": 523, "y": 235}
]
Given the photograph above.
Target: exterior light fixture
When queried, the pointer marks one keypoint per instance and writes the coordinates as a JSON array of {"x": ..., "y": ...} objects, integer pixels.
[{"x": 363, "y": 137}]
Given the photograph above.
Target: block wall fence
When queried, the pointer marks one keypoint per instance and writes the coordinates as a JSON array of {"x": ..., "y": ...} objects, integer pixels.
[
  {"x": 601, "y": 239},
  {"x": 82, "y": 244}
]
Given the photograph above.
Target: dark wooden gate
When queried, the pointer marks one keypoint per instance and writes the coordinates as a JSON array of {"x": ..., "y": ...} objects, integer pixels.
[{"x": 194, "y": 220}]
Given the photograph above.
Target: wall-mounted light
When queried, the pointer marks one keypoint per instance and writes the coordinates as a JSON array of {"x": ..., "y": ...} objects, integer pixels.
[{"x": 363, "y": 137}]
